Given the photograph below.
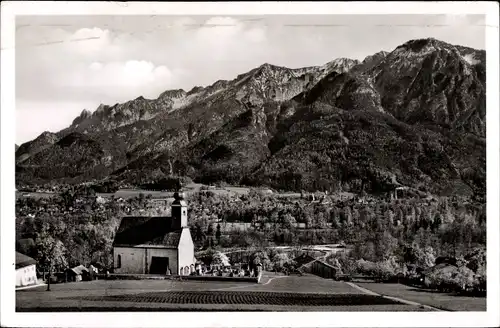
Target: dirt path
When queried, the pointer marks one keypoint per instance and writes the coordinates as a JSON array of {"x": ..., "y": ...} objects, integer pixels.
[{"x": 397, "y": 299}]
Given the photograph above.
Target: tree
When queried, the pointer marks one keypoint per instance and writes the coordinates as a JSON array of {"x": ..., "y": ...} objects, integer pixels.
[
  {"x": 346, "y": 216},
  {"x": 198, "y": 232},
  {"x": 355, "y": 217},
  {"x": 218, "y": 233},
  {"x": 399, "y": 216},
  {"x": 385, "y": 245},
  {"x": 436, "y": 223},
  {"x": 321, "y": 221},
  {"x": 281, "y": 261},
  {"x": 308, "y": 216},
  {"x": 50, "y": 251},
  {"x": 423, "y": 257},
  {"x": 261, "y": 258},
  {"x": 219, "y": 258},
  {"x": 210, "y": 230},
  {"x": 288, "y": 222},
  {"x": 95, "y": 242},
  {"x": 389, "y": 217}
]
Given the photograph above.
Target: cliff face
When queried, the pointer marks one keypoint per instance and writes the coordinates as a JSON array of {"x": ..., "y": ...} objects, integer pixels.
[
  {"x": 414, "y": 116},
  {"x": 429, "y": 81}
]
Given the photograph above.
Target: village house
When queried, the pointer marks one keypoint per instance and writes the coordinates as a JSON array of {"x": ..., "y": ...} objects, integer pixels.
[
  {"x": 25, "y": 270},
  {"x": 78, "y": 273},
  {"x": 155, "y": 245}
]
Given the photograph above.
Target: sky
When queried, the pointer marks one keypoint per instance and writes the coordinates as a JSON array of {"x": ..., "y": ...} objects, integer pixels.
[{"x": 65, "y": 64}]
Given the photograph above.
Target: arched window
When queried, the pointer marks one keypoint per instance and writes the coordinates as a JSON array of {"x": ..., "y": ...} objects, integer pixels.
[
  {"x": 119, "y": 261},
  {"x": 182, "y": 271}
]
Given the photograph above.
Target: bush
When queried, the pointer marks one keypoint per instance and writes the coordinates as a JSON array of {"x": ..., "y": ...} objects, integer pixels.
[
  {"x": 387, "y": 269},
  {"x": 384, "y": 270},
  {"x": 281, "y": 261},
  {"x": 366, "y": 267},
  {"x": 451, "y": 278}
]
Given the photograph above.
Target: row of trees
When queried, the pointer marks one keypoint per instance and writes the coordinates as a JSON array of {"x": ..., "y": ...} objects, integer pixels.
[{"x": 450, "y": 226}]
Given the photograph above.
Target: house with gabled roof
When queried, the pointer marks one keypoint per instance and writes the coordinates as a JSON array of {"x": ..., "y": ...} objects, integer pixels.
[
  {"x": 155, "y": 245},
  {"x": 25, "y": 270}
]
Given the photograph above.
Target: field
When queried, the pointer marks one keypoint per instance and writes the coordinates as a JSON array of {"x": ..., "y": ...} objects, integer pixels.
[
  {"x": 436, "y": 299},
  {"x": 275, "y": 293}
]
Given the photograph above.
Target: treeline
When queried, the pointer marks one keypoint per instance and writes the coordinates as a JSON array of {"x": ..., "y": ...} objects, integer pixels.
[
  {"x": 449, "y": 225},
  {"x": 389, "y": 238}
]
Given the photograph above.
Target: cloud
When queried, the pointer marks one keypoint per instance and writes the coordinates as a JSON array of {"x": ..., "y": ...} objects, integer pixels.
[
  {"x": 116, "y": 81},
  {"x": 93, "y": 41},
  {"x": 183, "y": 22},
  {"x": 256, "y": 35},
  {"x": 133, "y": 73}
]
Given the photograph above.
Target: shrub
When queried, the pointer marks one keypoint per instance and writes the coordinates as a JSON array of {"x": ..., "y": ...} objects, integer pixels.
[
  {"x": 451, "y": 278},
  {"x": 387, "y": 269},
  {"x": 366, "y": 267},
  {"x": 281, "y": 261}
]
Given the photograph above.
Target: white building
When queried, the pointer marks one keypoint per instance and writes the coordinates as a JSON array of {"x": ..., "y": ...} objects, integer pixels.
[
  {"x": 25, "y": 270},
  {"x": 155, "y": 245}
]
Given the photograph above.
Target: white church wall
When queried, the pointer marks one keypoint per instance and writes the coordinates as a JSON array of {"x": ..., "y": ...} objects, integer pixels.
[
  {"x": 132, "y": 260},
  {"x": 186, "y": 250}
]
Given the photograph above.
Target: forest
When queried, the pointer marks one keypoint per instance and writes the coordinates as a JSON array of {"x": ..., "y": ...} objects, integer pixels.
[{"x": 77, "y": 227}]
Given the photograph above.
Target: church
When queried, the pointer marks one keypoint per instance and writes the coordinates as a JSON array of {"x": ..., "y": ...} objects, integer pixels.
[{"x": 155, "y": 245}]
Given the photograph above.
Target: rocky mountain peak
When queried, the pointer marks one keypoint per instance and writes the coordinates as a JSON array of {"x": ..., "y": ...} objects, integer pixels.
[
  {"x": 177, "y": 93},
  {"x": 101, "y": 108},
  {"x": 43, "y": 141},
  {"x": 46, "y": 135},
  {"x": 85, "y": 114},
  {"x": 346, "y": 91},
  {"x": 419, "y": 45},
  {"x": 342, "y": 64},
  {"x": 428, "y": 80},
  {"x": 267, "y": 69},
  {"x": 195, "y": 89},
  {"x": 375, "y": 57}
]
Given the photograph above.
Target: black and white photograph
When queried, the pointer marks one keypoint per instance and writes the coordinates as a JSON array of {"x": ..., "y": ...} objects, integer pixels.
[{"x": 306, "y": 161}]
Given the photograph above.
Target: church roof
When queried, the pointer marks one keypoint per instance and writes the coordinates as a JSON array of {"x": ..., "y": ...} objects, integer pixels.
[
  {"x": 155, "y": 231},
  {"x": 179, "y": 199},
  {"x": 23, "y": 260}
]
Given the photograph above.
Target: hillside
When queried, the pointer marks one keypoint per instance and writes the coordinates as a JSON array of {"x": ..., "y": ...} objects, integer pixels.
[{"x": 414, "y": 116}]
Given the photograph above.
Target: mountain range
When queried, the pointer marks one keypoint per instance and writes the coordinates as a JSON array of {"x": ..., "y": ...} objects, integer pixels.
[{"x": 412, "y": 117}]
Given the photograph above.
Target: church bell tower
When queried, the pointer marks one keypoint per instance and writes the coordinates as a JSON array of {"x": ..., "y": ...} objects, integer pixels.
[{"x": 179, "y": 212}]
